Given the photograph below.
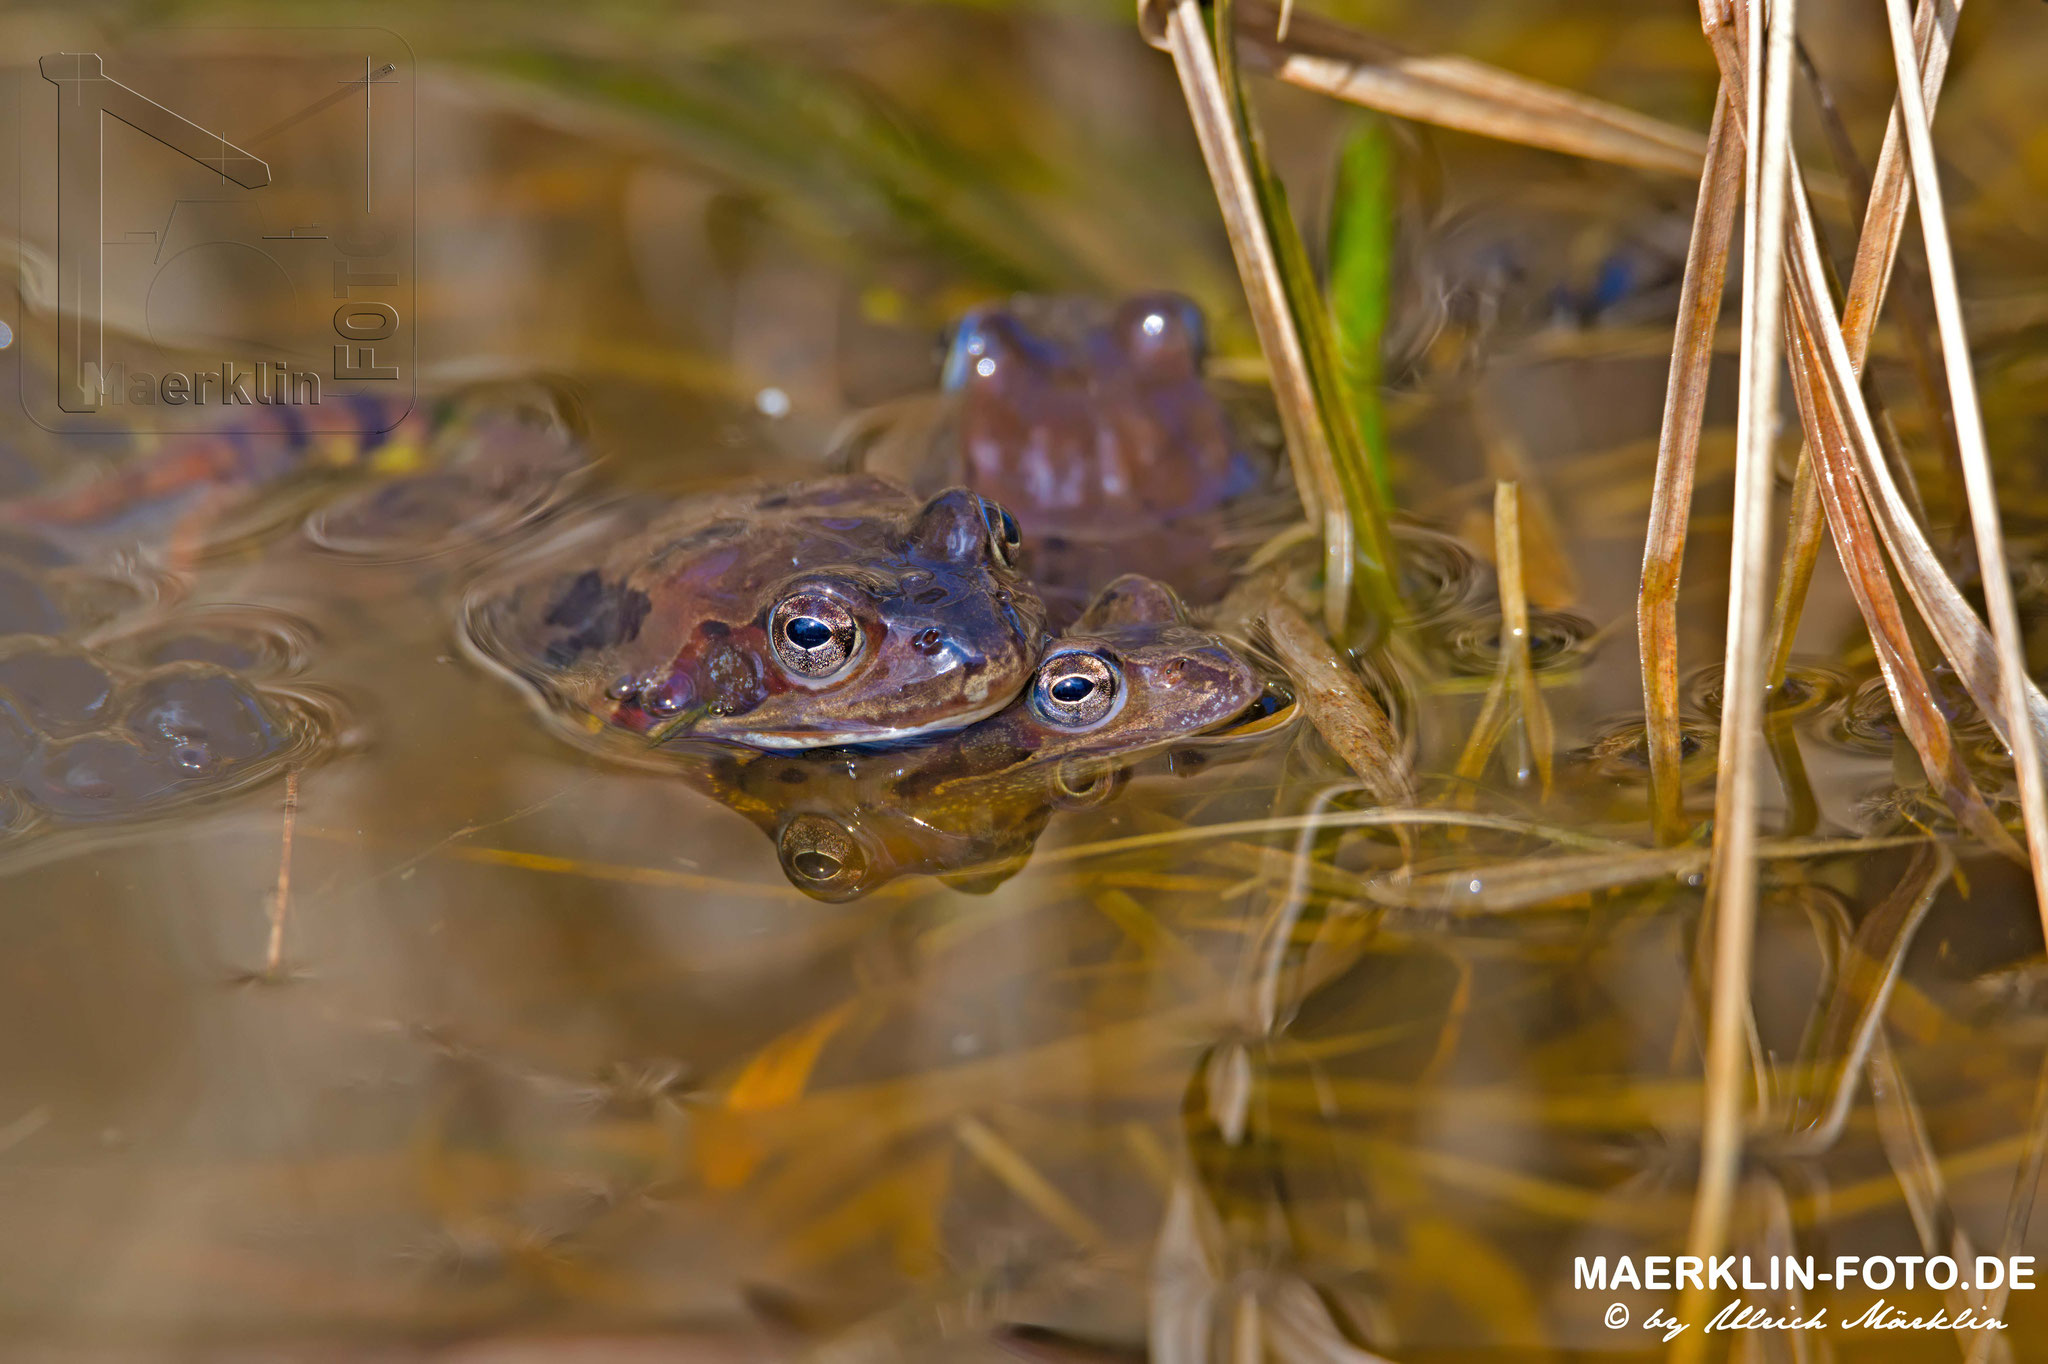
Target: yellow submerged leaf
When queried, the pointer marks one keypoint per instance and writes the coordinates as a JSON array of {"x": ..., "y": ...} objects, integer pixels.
[
  {"x": 728, "y": 1153},
  {"x": 780, "y": 1071}
]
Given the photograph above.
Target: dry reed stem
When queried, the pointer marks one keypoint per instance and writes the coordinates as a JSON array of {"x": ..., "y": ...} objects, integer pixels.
[
  {"x": 281, "y": 898},
  {"x": 1884, "y": 219},
  {"x": 1976, "y": 454},
  {"x": 1177, "y": 26},
  {"x": 1863, "y": 566},
  {"x": 1341, "y": 819},
  {"x": 1340, "y": 707},
  {"x": 1963, "y": 638},
  {"x": 1733, "y": 874},
  {"x": 1535, "y": 882},
  {"x": 1916, "y": 328},
  {"x": 1685, "y": 396},
  {"x": 1876, "y": 253},
  {"x": 1513, "y": 668},
  {"x": 1795, "y": 567},
  {"x": 1345, "y": 63}
]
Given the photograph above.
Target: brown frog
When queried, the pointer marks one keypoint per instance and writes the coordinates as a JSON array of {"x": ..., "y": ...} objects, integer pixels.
[
  {"x": 1097, "y": 427},
  {"x": 1132, "y": 676},
  {"x": 837, "y": 611}
]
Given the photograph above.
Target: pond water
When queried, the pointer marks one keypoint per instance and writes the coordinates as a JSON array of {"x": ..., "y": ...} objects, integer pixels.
[{"x": 351, "y": 1007}]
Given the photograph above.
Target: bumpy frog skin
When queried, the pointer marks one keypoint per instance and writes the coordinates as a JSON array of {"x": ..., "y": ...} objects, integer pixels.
[
  {"x": 839, "y": 611},
  {"x": 1131, "y": 676},
  {"x": 1098, "y": 420}
]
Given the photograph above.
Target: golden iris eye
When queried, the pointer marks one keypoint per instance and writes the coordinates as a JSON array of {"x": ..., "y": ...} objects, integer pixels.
[
  {"x": 1004, "y": 537},
  {"x": 821, "y": 857},
  {"x": 1076, "y": 690},
  {"x": 814, "y": 636}
]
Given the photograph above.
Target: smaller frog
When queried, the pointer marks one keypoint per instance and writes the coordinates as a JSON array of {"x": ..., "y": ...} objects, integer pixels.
[
  {"x": 838, "y": 611},
  {"x": 1098, "y": 428},
  {"x": 1133, "y": 675}
]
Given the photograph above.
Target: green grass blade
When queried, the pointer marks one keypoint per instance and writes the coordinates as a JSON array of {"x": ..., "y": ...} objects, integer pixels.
[
  {"x": 1362, "y": 280},
  {"x": 1375, "y": 585}
]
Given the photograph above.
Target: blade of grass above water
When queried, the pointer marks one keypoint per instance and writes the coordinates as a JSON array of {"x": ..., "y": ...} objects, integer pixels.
[
  {"x": 1375, "y": 582},
  {"x": 1361, "y": 258},
  {"x": 1322, "y": 434}
]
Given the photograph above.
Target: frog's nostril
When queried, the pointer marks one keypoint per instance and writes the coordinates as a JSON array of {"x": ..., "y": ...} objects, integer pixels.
[{"x": 929, "y": 641}]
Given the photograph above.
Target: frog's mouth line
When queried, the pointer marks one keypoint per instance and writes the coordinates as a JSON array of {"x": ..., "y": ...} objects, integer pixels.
[
  {"x": 801, "y": 739},
  {"x": 1273, "y": 708}
]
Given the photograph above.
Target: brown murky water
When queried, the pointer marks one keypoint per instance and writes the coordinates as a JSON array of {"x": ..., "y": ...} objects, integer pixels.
[{"x": 535, "y": 1052}]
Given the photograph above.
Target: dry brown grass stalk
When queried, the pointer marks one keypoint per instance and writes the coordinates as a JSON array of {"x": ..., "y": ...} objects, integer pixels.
[
  {"x": 1178, "y": 27},
  {"x": 1732, "y": 878},
  {"x": 1341, "y": 709},
  {"x": 1863, "y": 565},
  {"x": 1970, "y": 439},
  {"x": 1454, "y": 92},
  {"x": 1685, "y": 396},
  {"x": 1513, "y": 672}
]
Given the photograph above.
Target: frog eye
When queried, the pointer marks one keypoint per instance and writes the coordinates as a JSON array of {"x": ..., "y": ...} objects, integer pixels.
[
  {"x": 1004, "y": 538},
  {"x": 984, "y": 343},
  {"x": 1164, "y": 327},
  {"x": 813, "y": 635},
  {"x": 821, "y": 858},
  {"x": 1076, "y": 690}
]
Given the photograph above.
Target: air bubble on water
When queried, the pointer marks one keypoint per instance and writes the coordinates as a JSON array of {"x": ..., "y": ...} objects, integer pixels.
[{"x": 772, "y": 403}]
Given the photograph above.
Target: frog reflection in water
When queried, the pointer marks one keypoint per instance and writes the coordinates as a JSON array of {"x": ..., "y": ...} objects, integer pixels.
[
  {"x": 1097, "y": 427},
  {"x": 1131, "y": 676},
  {"x": 830, "y": 612}
]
